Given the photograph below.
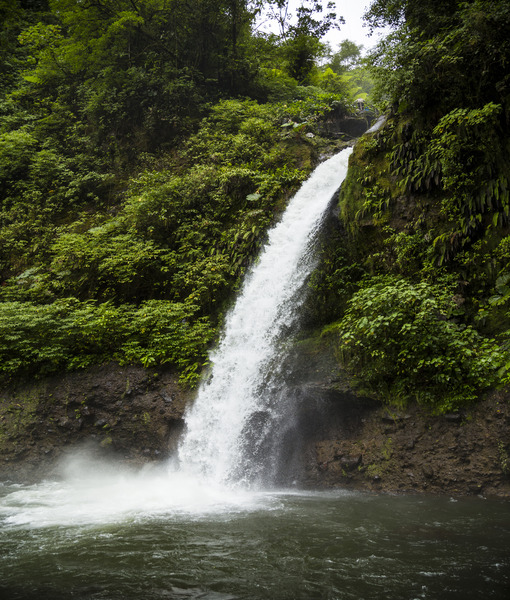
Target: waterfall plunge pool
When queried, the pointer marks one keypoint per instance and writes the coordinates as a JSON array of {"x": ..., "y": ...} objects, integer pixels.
[{"x": 105, "y": 534}]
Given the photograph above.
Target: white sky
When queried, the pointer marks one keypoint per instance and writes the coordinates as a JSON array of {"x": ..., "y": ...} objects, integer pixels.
[{"x": 352, "y": 12}]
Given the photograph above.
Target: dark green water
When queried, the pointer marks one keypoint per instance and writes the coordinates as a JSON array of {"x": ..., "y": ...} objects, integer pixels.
[{"x": 268, "y": 545}]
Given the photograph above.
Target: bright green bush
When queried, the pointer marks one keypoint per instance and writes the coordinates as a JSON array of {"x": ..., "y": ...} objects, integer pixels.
[
  {"x": 399, "y": 341},
  {"x": 16, "y": 151},
  {"x": 106, "y": 264},
  {"x": 68, "y": 334}
]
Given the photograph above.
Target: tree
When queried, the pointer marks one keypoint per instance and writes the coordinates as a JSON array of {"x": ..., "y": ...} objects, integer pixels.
[
  {"x": 15, "y": 15},
  {"x": 346, "y": 57},
  {"x": 300, "y": 34},
  {"x": 442, "y": 56},
  {"x": 427, "y": 15},
  {"x": 139, "y": 71}
]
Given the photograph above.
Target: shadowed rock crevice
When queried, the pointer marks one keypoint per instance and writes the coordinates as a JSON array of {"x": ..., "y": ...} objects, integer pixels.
[{"x": 344, "y": 440}]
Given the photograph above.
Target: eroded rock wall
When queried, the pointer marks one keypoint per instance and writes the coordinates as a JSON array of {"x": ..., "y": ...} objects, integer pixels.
[
  {"x": 129, "y": 413},
  {"x": 412, "y": 451},
  {"x": 358, "y": 442}
]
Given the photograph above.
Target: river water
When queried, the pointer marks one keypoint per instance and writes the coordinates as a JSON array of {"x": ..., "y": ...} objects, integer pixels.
[{"x": 111, "y": 535}]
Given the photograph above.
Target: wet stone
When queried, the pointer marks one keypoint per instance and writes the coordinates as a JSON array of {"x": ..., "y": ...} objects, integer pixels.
[
  {"x": 453, "y": 417},
  {"x": 428, "y": 471},
  {"x": 168, "y": 398},
  {"x": 350, "y": 462}
]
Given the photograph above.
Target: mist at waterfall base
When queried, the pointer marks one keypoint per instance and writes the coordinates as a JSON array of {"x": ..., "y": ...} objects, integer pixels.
[{"x": 207, "y": 525}]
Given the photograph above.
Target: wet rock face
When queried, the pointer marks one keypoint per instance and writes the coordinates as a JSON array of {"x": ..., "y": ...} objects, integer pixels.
[
  {"x": 127, "y": 412},
  {"x": 347, "y": 127},
  {"x": 335, "y": 438},
  {"x": 351, "y": 441},
  {"x": 460, "y": 454}
]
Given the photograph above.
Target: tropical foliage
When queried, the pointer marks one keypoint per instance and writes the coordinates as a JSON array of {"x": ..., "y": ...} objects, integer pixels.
[
  {"x": 401, "y": 341},
  {"x": 424, "y": 315},
  {"x": 145, "y": 147}
]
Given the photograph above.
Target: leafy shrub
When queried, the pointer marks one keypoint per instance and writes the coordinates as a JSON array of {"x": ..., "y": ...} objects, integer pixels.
[
  {"x": 68, "y": 334},
  {"x": 16, "y": 150},
  {"x": 107, "y": 264},
  {"x": 316, "y": 104},
  {"x": 470, "y": 151},
  {"x": 400, "y": 343}
]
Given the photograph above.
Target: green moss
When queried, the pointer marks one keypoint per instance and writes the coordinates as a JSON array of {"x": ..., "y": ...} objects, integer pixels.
[
  {"x": 373, "y": 470},
  {"x": 107, "y": 441},
  {"x": 504, "y": 458},
  {"x": 387, "y": 449},
  {"x": 19, "y": 414}
]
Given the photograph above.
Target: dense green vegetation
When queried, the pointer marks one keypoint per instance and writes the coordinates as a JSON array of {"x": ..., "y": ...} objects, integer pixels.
[
  {"x": 145, "y": 147},
  {"x": 426, "y": 260}
]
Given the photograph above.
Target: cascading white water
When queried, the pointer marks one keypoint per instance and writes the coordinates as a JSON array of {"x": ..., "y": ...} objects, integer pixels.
[
  {"x": 235, "y": 392},
  {"x": 233, "y": 412}
]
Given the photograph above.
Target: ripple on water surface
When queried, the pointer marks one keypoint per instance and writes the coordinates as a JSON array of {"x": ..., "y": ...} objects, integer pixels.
[{"x": 106, "y": 534}]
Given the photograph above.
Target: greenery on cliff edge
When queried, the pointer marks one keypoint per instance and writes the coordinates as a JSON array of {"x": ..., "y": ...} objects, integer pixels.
[{"x": 417, "y": 289}]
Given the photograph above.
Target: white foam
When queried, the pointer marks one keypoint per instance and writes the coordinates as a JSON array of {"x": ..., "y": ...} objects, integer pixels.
[
  {"x": 264, "y": 308},
  {"x": 113, "y": 495}
]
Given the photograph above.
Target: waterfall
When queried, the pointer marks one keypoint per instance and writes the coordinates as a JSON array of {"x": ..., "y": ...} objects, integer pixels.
[{"x": 227, "y": 424}]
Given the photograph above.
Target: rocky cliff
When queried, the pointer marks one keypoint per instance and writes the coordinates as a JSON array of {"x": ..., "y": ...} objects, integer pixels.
[
  {"x": 128, "y": 413},
  {"x": 349, "y": 440},
  {"x": 135, "y": 417}
]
